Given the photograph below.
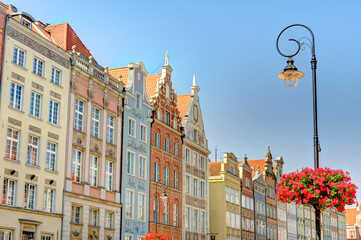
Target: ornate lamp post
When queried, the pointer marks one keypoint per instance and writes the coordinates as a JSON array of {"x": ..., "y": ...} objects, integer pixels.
[
  {"x": 290, "y": 75},
  {"x": 164, "y": 197}
]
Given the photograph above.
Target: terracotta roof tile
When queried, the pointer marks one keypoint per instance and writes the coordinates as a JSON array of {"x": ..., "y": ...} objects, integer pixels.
[
  {"x": 351, "y": 214},
  {"x": 151, "y": 84},
  {"x": 183, "y": 103},
  {"x": 215, "y": 168},
  {"x": 65, "y": 37},
  {"x": 115, "y": 72},
  {"x": 255, "y": 163}
]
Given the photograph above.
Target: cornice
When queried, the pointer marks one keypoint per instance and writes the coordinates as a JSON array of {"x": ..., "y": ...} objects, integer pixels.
[
  {"x": 188, "y": 141},
  {"x": 38, "y": 212},
  {"x": 96, "y": 200},
  {"x": 167, "y": 126}
]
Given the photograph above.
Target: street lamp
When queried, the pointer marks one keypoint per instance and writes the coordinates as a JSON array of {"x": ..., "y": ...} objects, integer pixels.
[
  {"x": 290, "y": 75},
  {"x": 164, "y": 197}
]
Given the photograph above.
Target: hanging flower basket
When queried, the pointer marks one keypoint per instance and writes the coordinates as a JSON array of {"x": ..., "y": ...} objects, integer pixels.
[
  {"x": 322, "y": 188},
  {"x": 156, "y": 236}
]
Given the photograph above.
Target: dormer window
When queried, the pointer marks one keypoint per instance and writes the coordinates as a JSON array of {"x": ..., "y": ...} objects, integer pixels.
[
  {"x": 26, "y": 22},
  {"x": 231, "y": 170}
]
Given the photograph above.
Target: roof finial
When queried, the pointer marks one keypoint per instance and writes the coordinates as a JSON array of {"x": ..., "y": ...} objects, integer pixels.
[
  {"x": 74, "y": 48},
  {"x": 167, "y": 58},
  {"x": 245, "y": 158},
  {"x": 194, "y": 80},
  {"x": 258, "y": 171}
]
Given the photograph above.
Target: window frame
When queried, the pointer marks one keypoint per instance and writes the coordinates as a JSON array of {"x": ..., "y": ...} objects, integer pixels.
[
  {"x": 110, "y": 128},
  {"x": 17, "y": 61},
  {"x": 94, "y": 221},
  {"x": 93, "y": 170},
  {"x": 131, "y": 127},
  {"x": 36, "y": 68},
  {"x": 141, "y": 206},
  {"x": 5, "y": 193},
  {"x": 166, "y": 144},
  {"x": 46, "y": 199},
  {"x": 54, "y": 69},
  {"x": 16, "y": 96},
  {"x": 54, "y": 118},
  {"x": 144, "y": 168},
  {"x": 127, "y": 204},
  {"x": 143, "y": 133},
  {"x": 33, "y": 107},
  {"x": 29, "y": 153},
  {"x": 79, "y": 115},
  {"x": 157, "y": 140},
  {"x": 79, "y": 164},
  {"x": 109, "y": 175},
  {"x": 73, "y": 214},
  {"x": 50, "y": 152},
  {"x": 10, "y": 140},
  {"x": 96, "y": 123},
  {"x": 128, "y": 166}
]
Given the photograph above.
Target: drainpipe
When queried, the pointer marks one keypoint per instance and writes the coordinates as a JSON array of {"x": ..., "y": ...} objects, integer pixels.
[
  {"x": 8, "y": 16},
  {"x": 121, "y": 168}
]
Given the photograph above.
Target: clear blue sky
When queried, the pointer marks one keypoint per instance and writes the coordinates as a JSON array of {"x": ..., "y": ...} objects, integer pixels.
[{"x": 230, "y": 46}]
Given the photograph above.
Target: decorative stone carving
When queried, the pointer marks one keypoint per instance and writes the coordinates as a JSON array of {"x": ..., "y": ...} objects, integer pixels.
[
  {"x": 17, "y": 77},
  {"x": 55, "y": 95},
  {"x": 78, "y": 138},
  {"x": 74, "y": 84},
  {"x": 53, "y": 135},
  {"x": 106, "y": 100},
  {"x": 14, "y": 121},
  {"x": 34, "y": 129},
  {"x": 37, "y": 86},
  {"x": 90, "y": 91},
  {"x": 110, "y": 151}
]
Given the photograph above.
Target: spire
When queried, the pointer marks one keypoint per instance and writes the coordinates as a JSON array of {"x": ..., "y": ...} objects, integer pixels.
[
  {"x": 268, "y": 161},
  {"x": 245, "y": 158},
  {"x": 195, "y": 89},
  {"x": 268, "y": 155},
  {"x": 258, "y": 171},
  {"x": 194, "y": 80},
  {"x": 166, "y": 58}
]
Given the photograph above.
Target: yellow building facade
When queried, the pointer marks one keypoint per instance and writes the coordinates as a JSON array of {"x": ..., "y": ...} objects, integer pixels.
[
  {"x": 33, "y": 124},
  {"x": 224, "y": 199}
]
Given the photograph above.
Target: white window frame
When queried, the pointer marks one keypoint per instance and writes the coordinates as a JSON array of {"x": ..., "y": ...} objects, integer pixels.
[
  {"x": 156, "y": 172},
  {"x": 130, "y": 163},
  {"x": 138, "y": 101},
  {"x": 129, "y": 205},
  {"x": 54, "y": 112},
  {"x": 203, "y": 162},
  {"x": 142, "y": 167},
  {"x": 109, "y": 220},
  {"x": 77, "y": 164},
  {"x": 79, "y": 115},
  {"x": 36, "y": 99},
  {"x": 195, "y": 187},
  {"x": 49, "y": 199},
  {"x": 166, "y": 213},
  {"x": 53, "y": 76},
  {"x": 195, "y": 158},
  {"x": 176, "y": 149},
  {"x": 11, "y": 143},
  {"x": 131, "y": 127},
  {"x": 74, "y": 208},
  {"x": 36, "y": 68},
  {"x": 16, "y": 59},
  {"x": 166, "y": 144},
  {"x": 141, "y": 207},
  {"x": 16, "y": 96},
  {"x": 51, "y": 153},
  {"x": 95, "y": 131},
  {"x": 175, "y": 214},
  {"x": 94, "y": 170},
  {"x": 143, "y": 133},
  {"x": 10, "y": 200},
  {"x": 166, "y": 176},
  {"x": 128, "y": 237},
  {"x": 157, "y": 139},
  {"x": 33, "y": 149},
  {"x": 110, "y": 128},
  {"x": 187, "y": 218},
  {"x": 94, "y": 217},
  {"x": 30, "y": 193},
  {"x": 188, "y": 155},
  {"x": 109, "y": 175},
  {"x": 176, "y": 179},
  {"x": 8, "y": 234}
]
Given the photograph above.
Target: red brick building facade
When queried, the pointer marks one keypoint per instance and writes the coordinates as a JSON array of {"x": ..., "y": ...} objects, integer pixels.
[{"x": 166, "y": 156}]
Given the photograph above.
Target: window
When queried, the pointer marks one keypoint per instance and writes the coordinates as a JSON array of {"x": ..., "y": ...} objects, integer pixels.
[
  {"x": 93, "y": 175},
  {"x": 166, "y": 144},
  {"x": 195, "y": 135},
  {"x": 166, "y": 118},
  {"x": 247, "y": 182},
  {"x": 195, "y": 159},
  {"x": 141, "y": 206},
  {"x": 93, "y": 217},
  {"x": 76, "y": 214},
  {"x": 55, "y": 76},
  {"x": 109, "y": 220},
  {"x": 33, "y": 151},
  {"x": 109, "y": 175},
  {"x": 195, "y": 220},
  {"x": 176, "y": 149},
  {"x": 166, "y": 213},
  {"x": 157, "y": 140},
  {"x": 175, "y": 215},
  {"x": 128, "y": 237},
  {"x": 9, "y": 192},
  {"x": 129, "y": 204},
  {"x": 49, "y": 197},
  {"x": 203, "y": 162},
  {"x": 110, "y": 129},
  {"x": 95, "y": 122},
  {"x": 46, "y": 237},
  {"x": 38, "y": 67},
  {"x": 202, "y": 222},
  {"x": 16, "y": 96},
  {"x": 51, "y": 149},
  {"x": 236, "y": 198},
  {"x": 166, "y": 176},
  {"x": 77, "y": 165},
  {"x": 176, "y": 182},
  {"x": 131, "y": 127},
  {"x": 79, "y": 115},
  {"x": 156, "y": 172},
  {"x": 187, "y": 218},
  {"x": 142, "y": 167},
  {"x": 188, "y": 185},
  {"x": 138, "y": 101},
  {"x": 188, "y": 155},
  {"x": 232, "y": 195},
  {"x": 203, "y": 188},
  {"x": 19, "y": 57},
  {"x": 143, "y": 133},
  {"x": 228, "y": 194},
  {"x": 195, "y": 187},
  {"x": 130, "y": 163},
  {"x": 35, "y": 104},
  {"x": 29, "y": 196},
  {"x": 54, "y": 112},
  {"x": 12, "y": 144},
  {"x": 6, "y": 234}
]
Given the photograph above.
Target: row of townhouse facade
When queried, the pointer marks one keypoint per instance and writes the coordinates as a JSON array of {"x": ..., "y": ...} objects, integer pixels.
[
  {"x": 92, "y": 152},
  {"x": 243, "y": 204}
]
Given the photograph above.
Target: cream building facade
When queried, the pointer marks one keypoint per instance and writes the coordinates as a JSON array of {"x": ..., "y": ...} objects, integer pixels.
[{"x": 33, "y": 124}]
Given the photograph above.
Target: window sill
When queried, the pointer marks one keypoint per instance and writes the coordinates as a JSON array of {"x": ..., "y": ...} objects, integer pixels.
[
  {"x": 18, "y": 110},
  {"x": 77, "y": 224},
  {"x": 38, "y": 76},
  {"x": 11, "y": 160},
  {"x": 51, "y": 171},
  {"x": 19, "y": 66},
  {"x": 35, "y": 117},
  {"x": 54, "y": 125},
  {"x": 60, "y": 86},
  {"x": 29, "y": 165}
]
